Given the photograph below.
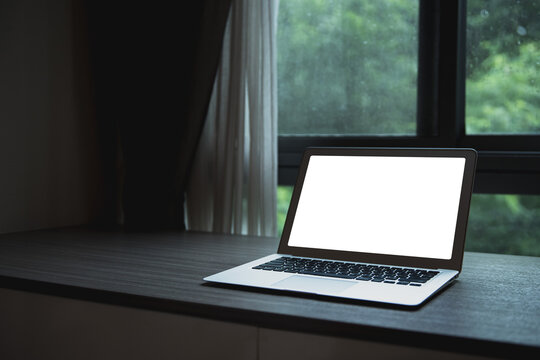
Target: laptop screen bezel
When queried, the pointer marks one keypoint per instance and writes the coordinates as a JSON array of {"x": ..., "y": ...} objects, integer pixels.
[{"x": 454, "y": 263}]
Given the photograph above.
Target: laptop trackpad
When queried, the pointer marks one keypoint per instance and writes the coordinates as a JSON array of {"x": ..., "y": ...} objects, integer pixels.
[{"x": 313, "y": 285}]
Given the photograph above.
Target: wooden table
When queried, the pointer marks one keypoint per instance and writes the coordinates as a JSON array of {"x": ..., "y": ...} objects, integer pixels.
[{"x": 492, "y": 310}]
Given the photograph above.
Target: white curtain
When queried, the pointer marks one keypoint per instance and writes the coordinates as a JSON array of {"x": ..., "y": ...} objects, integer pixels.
[{"x": 233, "y": 182}]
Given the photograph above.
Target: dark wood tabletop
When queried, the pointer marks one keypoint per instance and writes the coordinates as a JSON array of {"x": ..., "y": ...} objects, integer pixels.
[{"x": 492, "y": 309}]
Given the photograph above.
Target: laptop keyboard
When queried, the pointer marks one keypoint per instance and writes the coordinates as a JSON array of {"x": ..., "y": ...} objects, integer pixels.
[{"x": 345, "y": 270}]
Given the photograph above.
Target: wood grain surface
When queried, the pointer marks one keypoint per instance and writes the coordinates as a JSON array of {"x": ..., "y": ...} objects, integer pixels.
[{"x": 493, "y": 309}]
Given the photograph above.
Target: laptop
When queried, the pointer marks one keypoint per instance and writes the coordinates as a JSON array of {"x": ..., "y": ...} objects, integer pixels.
[{"x": 375, "y": 224}]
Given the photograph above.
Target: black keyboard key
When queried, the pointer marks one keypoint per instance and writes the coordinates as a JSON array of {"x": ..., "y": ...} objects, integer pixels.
[
  {"x": 310, "y": 272},
  {"x": 346, "y": 276},
  {"x": 363, "y": 278}
]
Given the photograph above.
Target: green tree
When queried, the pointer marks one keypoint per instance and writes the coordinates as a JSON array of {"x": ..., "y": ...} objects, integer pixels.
[
  {"x": 503, "y": 59},
  {"x": 347, "y": 66},
  {"x": 505, "y": 224},
  {"x": 506, "y": 99}
]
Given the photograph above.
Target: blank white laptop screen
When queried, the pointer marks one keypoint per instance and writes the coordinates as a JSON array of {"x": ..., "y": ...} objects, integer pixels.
[{"x": 404, "y": 206}]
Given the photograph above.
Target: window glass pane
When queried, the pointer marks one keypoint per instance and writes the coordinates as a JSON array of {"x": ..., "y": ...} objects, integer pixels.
[
  {"x": 284, "y": 194},
  {"x": 347, "y": 66},
  {"x": 506, "y": 224},
  {"x": 503, "y": 63}
]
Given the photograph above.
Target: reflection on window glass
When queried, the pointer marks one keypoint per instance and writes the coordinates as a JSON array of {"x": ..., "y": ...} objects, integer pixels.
[
  {"x": 503, "y": 67},
  {"x": 506, "y": 224},
  {"x": 347, "y": 66}
]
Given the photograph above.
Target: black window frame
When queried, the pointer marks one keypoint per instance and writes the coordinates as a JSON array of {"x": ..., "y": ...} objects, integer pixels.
[{"x": 507, "y": 164}]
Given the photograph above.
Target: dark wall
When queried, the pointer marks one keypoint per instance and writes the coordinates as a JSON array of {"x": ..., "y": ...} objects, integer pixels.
[{"x": 49, "y": 159}]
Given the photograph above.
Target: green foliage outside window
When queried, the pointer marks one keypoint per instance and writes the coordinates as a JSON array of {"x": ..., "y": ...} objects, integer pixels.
[
  {"x": 350, "y": 67},
  {"x": 347, "y": 67},
  {"x": 506, "y": 224},
  {"x": 503, "y": 67}
]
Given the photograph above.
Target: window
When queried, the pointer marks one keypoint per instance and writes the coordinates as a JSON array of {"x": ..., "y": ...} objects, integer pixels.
[
  {"x": 428, "y": 74},
  {"x": 502, "y": 67},
  {"x": 347, "y": 67}
]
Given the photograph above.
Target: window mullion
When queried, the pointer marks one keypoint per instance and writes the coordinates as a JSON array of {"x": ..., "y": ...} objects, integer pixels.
[
  {"x": 428, "y": 62},
  {"x": 450, "y": 129}
]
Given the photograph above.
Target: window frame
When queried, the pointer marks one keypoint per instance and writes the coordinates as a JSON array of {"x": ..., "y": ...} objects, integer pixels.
[{"x": 508, "y": 164}]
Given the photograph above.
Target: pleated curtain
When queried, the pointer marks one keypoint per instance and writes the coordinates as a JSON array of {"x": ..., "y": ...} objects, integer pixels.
[{"x": 232, "y": 186}]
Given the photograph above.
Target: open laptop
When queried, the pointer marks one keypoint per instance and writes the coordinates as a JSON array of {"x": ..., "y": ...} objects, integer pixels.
[{"x": 374, "y": 224}]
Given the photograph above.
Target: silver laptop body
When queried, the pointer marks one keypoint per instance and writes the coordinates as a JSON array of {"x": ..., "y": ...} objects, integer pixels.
[{"x": 374, "y": 224}]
